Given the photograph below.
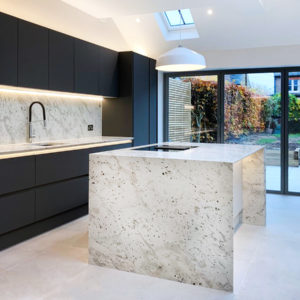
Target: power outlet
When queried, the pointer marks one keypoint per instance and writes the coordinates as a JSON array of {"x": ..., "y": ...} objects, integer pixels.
[{"x": 90, "y": 127}]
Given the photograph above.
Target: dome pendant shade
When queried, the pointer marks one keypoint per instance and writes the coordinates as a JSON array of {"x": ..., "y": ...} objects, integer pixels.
[{"x": 180, "y": 59}]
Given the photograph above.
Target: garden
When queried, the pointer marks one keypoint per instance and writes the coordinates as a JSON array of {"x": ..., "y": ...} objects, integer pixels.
[{"x": 249, "y": 117}]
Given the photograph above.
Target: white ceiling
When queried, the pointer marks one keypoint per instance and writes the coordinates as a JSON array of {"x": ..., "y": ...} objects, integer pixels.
[{"x": 235, "y": 24}]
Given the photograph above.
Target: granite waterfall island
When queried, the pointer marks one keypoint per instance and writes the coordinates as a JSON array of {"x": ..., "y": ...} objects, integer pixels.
[{"x": 173, "y": 214}]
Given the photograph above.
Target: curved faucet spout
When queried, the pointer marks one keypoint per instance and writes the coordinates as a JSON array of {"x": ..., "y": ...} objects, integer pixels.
[{"x": 31, "y": 134}]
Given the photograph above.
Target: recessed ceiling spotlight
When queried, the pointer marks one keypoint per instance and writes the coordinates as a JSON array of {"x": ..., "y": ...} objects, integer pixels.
[
  {"x": 138, "y": 20},
  {"x": 210, "y": 12}
]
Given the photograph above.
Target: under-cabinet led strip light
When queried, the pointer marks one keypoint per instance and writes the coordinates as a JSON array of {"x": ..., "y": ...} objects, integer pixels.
[{"x": 9, "y": 89}]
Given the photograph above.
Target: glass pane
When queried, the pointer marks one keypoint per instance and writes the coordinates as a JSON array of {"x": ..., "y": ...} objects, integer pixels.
[
  {"x": 174, "y": 17},
  {"x": 193, "y": 109},
  {"x": 187, "y": 16},
  {"x": 294, "y": 134},
  {"x": 253, "y": 116}
]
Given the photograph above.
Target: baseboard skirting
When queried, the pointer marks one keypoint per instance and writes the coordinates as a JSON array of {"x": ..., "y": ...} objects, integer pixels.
[{"x": 14, "y": 237}]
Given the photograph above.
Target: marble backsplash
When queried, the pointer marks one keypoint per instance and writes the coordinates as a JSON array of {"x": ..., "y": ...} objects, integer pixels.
[{"x": 67, "y": 117}]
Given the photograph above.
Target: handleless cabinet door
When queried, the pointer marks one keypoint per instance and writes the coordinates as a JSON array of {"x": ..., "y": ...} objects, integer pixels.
[
  {"x": 17, "y": 210},
  {"x": 60, "y": 166},
  {"x": 141, "y": 100},
  {"x": 61, "y": 62},
  {"x": 86, "y": 67},
  {"x": 152, "y": 102},
  {"x": 33, "y": 56},
  {"x": 8, "y": 50},
  {"x": 56, "y": 198},
  {"x": 108, "y": 72},
  {"x": 17, "y": 174}
]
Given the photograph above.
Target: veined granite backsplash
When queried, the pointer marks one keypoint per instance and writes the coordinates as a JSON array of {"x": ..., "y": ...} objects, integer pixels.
[{"x": 66, "y": 117}]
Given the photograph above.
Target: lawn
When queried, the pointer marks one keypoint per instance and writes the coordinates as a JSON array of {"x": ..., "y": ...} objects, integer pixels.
[{"x": 264, "y": 141}]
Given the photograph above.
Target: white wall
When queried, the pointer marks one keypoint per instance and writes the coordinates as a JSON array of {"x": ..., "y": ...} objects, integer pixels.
[
  {"x": 236, "y": 59},
  {"x": 254, "y": 57}
]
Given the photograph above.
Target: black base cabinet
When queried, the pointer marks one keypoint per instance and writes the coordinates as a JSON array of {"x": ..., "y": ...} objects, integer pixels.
[
  {"x": 38, "y": 193},
  {"x": 58, "y": 197},
  {"x": 17, "y": 210}
]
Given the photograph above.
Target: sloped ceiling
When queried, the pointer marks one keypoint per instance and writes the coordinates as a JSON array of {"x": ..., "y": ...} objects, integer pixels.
[{"x": 234, "y": 24}]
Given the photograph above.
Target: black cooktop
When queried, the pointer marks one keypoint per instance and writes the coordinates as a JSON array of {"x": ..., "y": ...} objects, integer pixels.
[{"x": 166, "y": 148}]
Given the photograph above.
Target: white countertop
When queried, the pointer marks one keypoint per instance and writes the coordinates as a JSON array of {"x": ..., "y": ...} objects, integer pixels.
[
  {"x": 227, "y": 153},
  {"x": 17, "y": 150}
]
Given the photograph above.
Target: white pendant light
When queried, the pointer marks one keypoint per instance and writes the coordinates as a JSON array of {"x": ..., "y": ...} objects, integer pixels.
[{"x": 180, "y": 59}]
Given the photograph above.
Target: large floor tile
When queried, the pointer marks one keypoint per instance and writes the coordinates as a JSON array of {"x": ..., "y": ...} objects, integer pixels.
[{"x": 54, "y": 265}]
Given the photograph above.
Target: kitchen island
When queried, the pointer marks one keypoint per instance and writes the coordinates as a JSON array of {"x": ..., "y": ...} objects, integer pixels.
[{"x": 173, "y": 213}]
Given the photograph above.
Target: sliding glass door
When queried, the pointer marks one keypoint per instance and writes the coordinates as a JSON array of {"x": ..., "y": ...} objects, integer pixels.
[
  {"x": 252, "y": 115},
  {"x": 192, "y": 109},
  {"x": 252, "y": 106},
  {"x": 294, "y": 131}
]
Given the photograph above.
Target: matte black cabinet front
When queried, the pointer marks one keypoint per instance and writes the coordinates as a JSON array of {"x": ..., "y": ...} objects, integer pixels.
[
  {"x": 134, "y": 113},
  {"x": 8, "y": 50},
  {"x": 86, "y": 67},
  {"x": 108, "y": 72},
  {"x": 17, "y": 174},
  {"x": 59, "y": 197},
  {"x": 61, "y": 62},
  {"x": 33, "y": 56},
  {"x": 17, "y": 210},
  {"x": 141, "y": 100},
  {"x": 152, "y": 102},
  {"x": 60, "y": 166}
]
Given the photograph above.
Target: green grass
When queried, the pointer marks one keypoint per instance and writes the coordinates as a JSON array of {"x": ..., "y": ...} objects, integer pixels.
[
  {"x": 292, "y": 135},
  {"x": 266, "y": 141}
]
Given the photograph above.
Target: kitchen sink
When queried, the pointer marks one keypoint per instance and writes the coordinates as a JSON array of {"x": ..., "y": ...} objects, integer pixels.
[{"x": 49, "y": 144}]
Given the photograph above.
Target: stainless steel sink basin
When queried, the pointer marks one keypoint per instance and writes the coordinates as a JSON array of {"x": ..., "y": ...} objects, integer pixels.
[{"x": 47, "y": 144}]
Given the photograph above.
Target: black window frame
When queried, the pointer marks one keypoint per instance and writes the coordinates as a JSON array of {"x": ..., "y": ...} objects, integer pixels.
[{"x": 220, "y": 73}]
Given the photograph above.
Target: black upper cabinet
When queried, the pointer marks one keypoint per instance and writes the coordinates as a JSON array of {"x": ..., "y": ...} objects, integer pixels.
[
  {"x": 61, "y": 62},
  {"x": 8, "y": 50},
  {"x": 86, "y": 67},
  {"x": 37, "y": 57},
  {"x": 152, "y": 102},
  {"x": 33, "y": 56},
  {"x": 108, "y": 72},
  {"x": 141, "y": 100}
]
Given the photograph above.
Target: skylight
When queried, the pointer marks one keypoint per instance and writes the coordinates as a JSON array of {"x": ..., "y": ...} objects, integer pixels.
[{"x": 179, "y": 17}]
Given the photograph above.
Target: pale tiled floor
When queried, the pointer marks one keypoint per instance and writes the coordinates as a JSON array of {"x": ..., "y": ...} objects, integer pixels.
[{"x": 54, "y": 265}]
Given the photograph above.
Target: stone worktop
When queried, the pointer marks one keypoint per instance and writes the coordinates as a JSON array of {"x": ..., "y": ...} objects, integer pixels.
[
  {"x": 25, "y": 149},
  {"x": 173, "y": 214},
  {"x": 227, "y": 153}
]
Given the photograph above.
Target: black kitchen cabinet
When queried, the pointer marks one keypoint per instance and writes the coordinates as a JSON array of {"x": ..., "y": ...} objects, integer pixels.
[
  {"x": 134, "y": 113},
  {"x": 152, "y": 102},
  {"x": 37, "y": 57},
  {"x": 59, "y": 197},
  {"x": 141, "y": 100},
  {"x": 86, "y": 67},
  {"x": 32, "y": 56},
  {"x": 61, "y": 62},
  {"x": 17, "y": 174},
  {"x": 38, "y": 193},
  {"x": 108, "y": 72},
  {"x": 60, "y": 166},
  {"x": 16, "y": 210},
  {"x": 8, "y": 50}
]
